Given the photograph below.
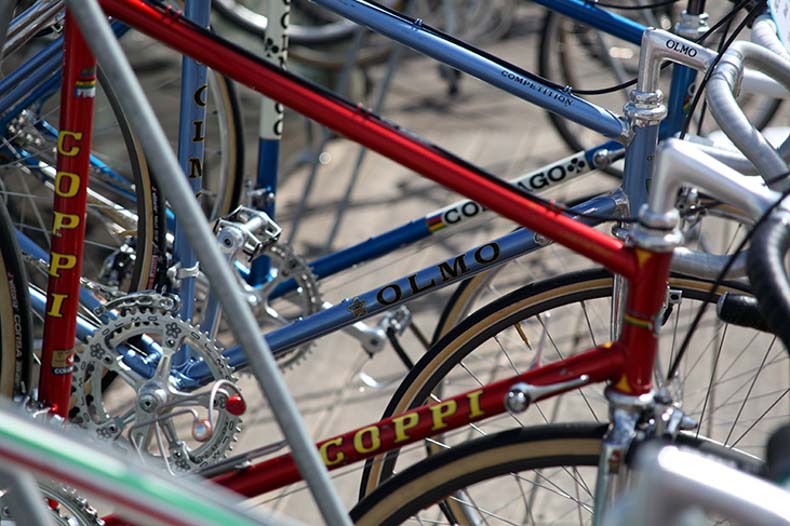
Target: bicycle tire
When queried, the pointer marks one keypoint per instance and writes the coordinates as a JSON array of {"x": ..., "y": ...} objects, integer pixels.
[
  {"x": 147, "y": 225},
  {"x": 567, "y": 291},
  {"x": 229, "y": 185},
  {"x": 568, "y": 446},
  {"x": 16, "y": 335}
]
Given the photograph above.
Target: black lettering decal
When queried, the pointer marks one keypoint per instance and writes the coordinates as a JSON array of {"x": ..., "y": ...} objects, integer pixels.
[
  {"x": 556, "y": 173},
  {"x": 455, "y": 217},
  {"x": 415, "y": 287},
  {"x": 195, "y": 168},
  {"x": 681, "y": 48},
  {"x": 396, "y": 294},
  {"x": 470, "y": 209},
  {"x": 458, "y": 268},
  {"x": 538, "y": 181},
  {"x": 200, "y": 98},
  {"x": 480, "y": 257},
  {"x": 199, "y": 136}
]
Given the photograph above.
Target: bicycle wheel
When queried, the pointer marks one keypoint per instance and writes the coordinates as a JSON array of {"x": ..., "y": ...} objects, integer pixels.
[
  {"x": 536, "y": 475},
  {"x": 733, "y": 380},
  {"x": 573, "y": 54},
  {"x": 15, "y": 321},
  {"x": 223, "y": 166},
  {"x": 125, "y": 230}
]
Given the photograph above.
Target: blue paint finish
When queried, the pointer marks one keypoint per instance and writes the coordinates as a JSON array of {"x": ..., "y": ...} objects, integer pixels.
[
  {"x": 639, "y": 159},
  {"x": 612, "y": 146},
  {"x": 268, "y": 162},
  {"x": 486, "y": 67},
  {"x": 28, "y": 246},
  {"x": 372, "y": 248},
  {"x": 586, "y": 12},
  {"x": 682, "y": 80},
  {"x": 475, "y": 260},
  {"x": 191, "y": 141},
  {"x": 37, "y": 69},
  {"x": 25, "y": 89},
  {"x": 34, "y": 70}
]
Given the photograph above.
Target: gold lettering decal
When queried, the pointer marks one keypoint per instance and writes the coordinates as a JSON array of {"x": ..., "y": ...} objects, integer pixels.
[
  {"x": 324, "y": 451},
  {"x": 55, "y": 311},
  {"x": 62, "y": 220},
  {"x": 60, "y": 262},
  {"x": 375, "y": 439},
  {"x": 474, "y": 404},
  {"x": 72, "y": 184},
  {"x": 73, "y": 150},
  {"x": 402, "y": 423},
  {"x": 440, "y": 411}
]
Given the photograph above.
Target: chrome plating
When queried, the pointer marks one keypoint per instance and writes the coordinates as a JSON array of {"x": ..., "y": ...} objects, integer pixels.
[
  {"x": 659, "y": 46},
  {"x": 645, "y": 108}
]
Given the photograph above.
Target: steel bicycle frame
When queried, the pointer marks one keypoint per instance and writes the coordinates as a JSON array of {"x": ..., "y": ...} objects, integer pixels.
[
  {"x": 438, "y": 48},
  {"x": 377, "y": 246},
  {"x": 378, "y": 300},
  {"x": 78, "y": 91},
  {"x": 626, "y": 363},
  {"x": 392, "y": 294}
]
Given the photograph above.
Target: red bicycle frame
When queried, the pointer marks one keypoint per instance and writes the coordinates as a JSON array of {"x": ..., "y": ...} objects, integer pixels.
[
  {"x": 78, "y": 90},
  {"x": 626, "y": 363}
]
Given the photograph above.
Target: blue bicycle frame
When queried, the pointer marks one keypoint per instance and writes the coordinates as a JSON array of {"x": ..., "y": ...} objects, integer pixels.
[
  {"x": 504, "y": 76},
  {"x": 498, "y": 73},
  {"x": 638, "y": 156}
]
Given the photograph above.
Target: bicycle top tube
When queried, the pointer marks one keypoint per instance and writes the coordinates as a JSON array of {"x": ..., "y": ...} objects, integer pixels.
[
  {"x": 486, "y": 67},
  {"x": 591, "y": 15},
  {"x": 372, "y": 131}
]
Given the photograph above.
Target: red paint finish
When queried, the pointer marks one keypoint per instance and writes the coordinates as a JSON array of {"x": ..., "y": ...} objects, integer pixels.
[
  {"x": 600, "y": 364},
  {"x": 371, "y": 131},
  {"x": 645, "y": 299},
  {"x": 76, "y": 121}
]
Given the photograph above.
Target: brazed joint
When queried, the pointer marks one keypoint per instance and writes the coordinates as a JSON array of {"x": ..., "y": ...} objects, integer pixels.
[
  {"x": 626, "y": 131},
  {"x": 522, "y": 394},
  {"x": 657, "y": 232},
  {"x": 645, "y": 108},
  {"x": 622, "y": 206}
]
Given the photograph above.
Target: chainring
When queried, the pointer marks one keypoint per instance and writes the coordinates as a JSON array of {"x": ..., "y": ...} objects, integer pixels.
[
  {"x": 66, "y": 507},
  {"x": 286, "y": 265},
  {"x": 156, "y": 416}
]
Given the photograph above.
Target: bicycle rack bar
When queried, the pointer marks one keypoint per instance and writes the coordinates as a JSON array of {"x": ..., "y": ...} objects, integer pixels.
[{"x": 165, "y": 166}]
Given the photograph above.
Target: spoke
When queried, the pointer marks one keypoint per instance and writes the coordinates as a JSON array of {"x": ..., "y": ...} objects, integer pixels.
[
  {"x": 759, "y": 418},
  {"x": 712, "y": 381},
  {"x": 589, "y": 325}
]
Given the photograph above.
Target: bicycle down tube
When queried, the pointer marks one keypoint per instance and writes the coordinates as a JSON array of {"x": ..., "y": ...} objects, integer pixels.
[
  {"x": 390, "y": 141},
  {"x": 381, "y": 20},
  {"x": 627, "y": 363}
]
